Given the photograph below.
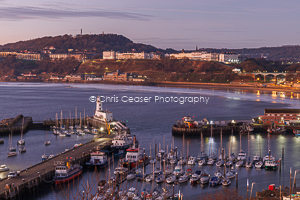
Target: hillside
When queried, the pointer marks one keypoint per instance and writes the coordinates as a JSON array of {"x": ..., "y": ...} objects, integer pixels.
[
  {"x": 106, "y": 42},
  {"x": 89, "y": 43}
]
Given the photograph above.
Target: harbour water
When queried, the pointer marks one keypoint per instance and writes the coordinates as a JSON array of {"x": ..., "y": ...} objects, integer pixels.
[{"x": 148, "y": 121}]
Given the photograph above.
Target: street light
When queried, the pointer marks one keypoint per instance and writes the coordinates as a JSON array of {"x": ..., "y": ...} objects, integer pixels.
[{"x": 251, "y": 189}]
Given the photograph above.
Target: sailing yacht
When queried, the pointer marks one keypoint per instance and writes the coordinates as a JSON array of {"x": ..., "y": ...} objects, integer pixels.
[
  {"x": 21, "y": 141},
  {"x": 12, "y": 150},
  {"x": 47, "y": 141}
]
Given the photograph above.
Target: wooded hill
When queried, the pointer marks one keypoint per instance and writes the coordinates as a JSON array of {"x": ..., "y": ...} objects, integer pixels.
[{"x": 89, "y": 43}]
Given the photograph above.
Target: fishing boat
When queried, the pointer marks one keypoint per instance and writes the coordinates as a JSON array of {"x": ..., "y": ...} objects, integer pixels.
[
  {"x": 121, "y": 143},
  {"x": 191, "y": 160},
  {"x": 66, "y": 171},
  {"x": 3, "y": 168},
  {"x": 171, "y": 179},
  {"x": 270, "y": 162},
  {"x": 22, "y": 149},
  {"x": 98, "y": 158},
  {"x": 44, "y": 157},
  {"x": 21, "y": 141},
  {"x": 194, "y": 179},
  {"x": 182, "y": 179},
  {"x": 214, "y": 181},
  {"x": 225, "y": 181},
  {"x": 204, "y": 178},
  {"x": 134, "y": 158}
]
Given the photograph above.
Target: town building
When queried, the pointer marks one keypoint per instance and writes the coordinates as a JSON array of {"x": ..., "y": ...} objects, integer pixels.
[
  {"x": 109, "y": 55},
  {"x": 228, "y": 58},
  {"x": 278, "y": 116},
  {"x": 78, "y": 57},
  {"x": 115, "y": 76},
  {"x": 73, "y": 77}
]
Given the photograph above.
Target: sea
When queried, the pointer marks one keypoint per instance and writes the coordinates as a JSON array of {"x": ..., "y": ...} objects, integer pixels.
[{"x": 149, "y": 112}]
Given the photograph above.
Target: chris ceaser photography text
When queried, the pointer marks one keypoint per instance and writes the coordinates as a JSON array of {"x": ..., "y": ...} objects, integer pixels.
[{"x": 155, "y": 99}]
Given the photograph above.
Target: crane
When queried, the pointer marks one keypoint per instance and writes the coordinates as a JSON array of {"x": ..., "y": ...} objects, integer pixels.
[{"x": 107, "y": 127}]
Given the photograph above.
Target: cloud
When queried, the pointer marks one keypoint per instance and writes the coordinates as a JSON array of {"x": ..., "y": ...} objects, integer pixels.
[{"x": 31, "y": 12}]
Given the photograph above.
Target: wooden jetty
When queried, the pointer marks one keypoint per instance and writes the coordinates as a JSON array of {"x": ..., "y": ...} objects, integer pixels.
[
  {"x": 14, "y": 124},
  {"x": 33, "y": 177}
]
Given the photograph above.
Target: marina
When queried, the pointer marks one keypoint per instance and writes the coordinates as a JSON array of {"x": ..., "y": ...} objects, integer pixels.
[{"x": 147, "y": 133}]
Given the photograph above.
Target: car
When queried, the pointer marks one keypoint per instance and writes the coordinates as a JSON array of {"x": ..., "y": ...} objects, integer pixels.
[{"x": 13, "y": 174}]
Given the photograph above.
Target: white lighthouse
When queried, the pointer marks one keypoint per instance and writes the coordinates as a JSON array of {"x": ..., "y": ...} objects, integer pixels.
[{"x": 100, "y": 114}]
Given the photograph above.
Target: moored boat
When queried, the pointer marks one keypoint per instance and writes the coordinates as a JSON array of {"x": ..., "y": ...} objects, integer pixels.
[
  {"x": 3, "y": 168},
  {"x": 66, "y": 171},
  {"x": 204, "y": 178},
  {"x": 98, "y": 158},
  {"x": 214, "y": 181},
  {"x": 194, "y": 179}
]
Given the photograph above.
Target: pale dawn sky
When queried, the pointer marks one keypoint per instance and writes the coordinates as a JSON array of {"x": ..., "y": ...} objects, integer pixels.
[{"x": 162, "y": 23}]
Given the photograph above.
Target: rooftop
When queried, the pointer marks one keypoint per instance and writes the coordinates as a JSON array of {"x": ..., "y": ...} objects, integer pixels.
[{"x": 281, "y": 110}]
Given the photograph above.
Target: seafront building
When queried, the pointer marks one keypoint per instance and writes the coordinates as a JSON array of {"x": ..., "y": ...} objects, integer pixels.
[
  {"x": 202, "y": 55},
  {"x": 275, "y": 116}
]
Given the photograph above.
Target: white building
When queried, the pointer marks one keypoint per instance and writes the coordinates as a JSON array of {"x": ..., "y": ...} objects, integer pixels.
[
  {"x": 109, "y": 55},
  {"x": 228, "y": 58},
  {"x": 101, "y": 114}
]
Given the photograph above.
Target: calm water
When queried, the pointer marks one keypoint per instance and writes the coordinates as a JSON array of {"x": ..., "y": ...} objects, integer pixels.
[{"x": 148, "y": 121}]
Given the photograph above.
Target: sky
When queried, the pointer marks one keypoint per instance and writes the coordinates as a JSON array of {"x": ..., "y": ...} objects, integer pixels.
[{"x": 161, "y": 23}]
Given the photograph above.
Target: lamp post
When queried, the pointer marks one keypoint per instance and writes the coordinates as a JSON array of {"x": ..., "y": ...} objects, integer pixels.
[{"x": 251, "y": 189}]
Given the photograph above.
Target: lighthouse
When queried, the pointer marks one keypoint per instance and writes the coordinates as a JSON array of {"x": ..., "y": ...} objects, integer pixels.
[
  {"x": 101, "y": 114},
  {"x": 98, "y": 104}
]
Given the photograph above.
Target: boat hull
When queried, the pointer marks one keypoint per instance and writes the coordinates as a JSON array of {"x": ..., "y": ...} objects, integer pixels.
[{"x": 69, "y": 178}]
